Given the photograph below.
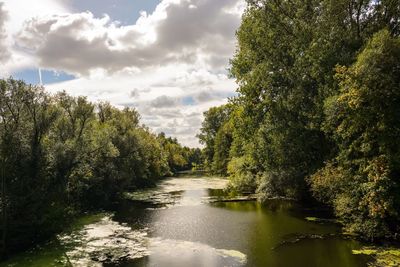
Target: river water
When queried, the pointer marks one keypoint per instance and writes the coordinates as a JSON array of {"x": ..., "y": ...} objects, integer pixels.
[{"x": 189, "y": 222}]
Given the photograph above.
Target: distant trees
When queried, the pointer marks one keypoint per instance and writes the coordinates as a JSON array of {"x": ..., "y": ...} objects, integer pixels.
[
  {"x": 60, "y": 155},
  {"x": 214, "y": 136},
  {"x": 317, "y": 112},
  {"x": 179, "y": 158}
]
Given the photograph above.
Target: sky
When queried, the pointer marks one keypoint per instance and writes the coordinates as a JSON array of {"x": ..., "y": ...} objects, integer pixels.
[{"x": 166, "y": 58}]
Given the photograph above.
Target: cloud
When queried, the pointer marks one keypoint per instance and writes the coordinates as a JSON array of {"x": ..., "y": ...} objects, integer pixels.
[
  {"x": 164, "y": 102},
  {"x": 170, "y": 64},
  {"x": 175, "y": 32},
  {"x": 22, "y": 10},
  {"x": 205, "y": 96},
  {"x": 159, "y": 96},
  {"x": 13, "y": 14},
  {"x": 135, "y": 93},
  {"x": 4, "y": 50}
]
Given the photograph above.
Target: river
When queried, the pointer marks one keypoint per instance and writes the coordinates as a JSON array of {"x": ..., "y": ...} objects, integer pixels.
[{"x": 192, "y": 221}]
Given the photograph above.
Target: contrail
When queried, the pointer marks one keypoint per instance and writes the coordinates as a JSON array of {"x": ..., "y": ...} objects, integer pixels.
[{"x": 40, "y": 77}]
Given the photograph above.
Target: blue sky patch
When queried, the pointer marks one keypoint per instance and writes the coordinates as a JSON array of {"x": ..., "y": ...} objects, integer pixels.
[
  {"x": 31, "y": 76},
  {"x": 125, "y": 11},
  {"x": 188, "y": 101}
]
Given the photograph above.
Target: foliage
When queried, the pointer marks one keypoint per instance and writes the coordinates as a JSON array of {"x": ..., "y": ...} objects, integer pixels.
[
  {"x": 386, "y": 256},
  {"x": 179, "y": 158},
  {"x": 212, "y": 127},
  {"x": 61, "y": 155},
  {"x": 318, "y": 108},
  {"x": 240, "y": 176},
  {"x": 364, "y": 121}
]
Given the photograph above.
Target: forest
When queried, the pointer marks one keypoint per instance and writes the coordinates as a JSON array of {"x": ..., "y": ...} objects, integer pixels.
[
  {"x": 317, "y": 116},
  {"x": 315, "y": 123},
  {"x": 62, "y": 156}
]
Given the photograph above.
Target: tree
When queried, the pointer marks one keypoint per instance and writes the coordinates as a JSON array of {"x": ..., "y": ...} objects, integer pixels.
[
  {"x": 214, "y": 119},
  {"x": 364, "y": 120},
  {"x": 222, "y": 146},
  {"x": 294, "y": 119},
  {"x": 285, "y": 67},
  {"x": 63, "y": 155}
]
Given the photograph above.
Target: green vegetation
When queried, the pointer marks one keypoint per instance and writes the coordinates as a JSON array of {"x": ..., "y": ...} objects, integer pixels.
[
  {"x": 60, "y": 156},
  {"x": 318, "y": 110},
  {"x": 179, "y": 158},
  {"x": 317, "y": 117},
  {"x": 383, "y": 256}
]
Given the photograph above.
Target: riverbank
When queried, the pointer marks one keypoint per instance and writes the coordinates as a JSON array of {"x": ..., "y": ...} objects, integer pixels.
[{"x": 181, "y": 223}]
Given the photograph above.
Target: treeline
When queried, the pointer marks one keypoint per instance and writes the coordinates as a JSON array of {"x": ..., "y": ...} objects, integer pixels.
[
  {"x": 318, "y": 111},
  {"x": 61, "y": 155}
]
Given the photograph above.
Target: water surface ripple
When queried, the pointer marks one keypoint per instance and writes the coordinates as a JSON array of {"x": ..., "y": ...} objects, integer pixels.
[{"x": 193, "y": 222}]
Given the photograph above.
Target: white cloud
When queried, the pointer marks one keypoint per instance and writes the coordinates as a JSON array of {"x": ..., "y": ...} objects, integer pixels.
[
  {"x": 164, "y": 102},
  {"x": 170, "y": 65},
  {"x": 23, "y": 10},
  {"x": 4, "y": 52},
  {"x": 18, "y": 12},
  {"x": 175, "y": 32},
  {"x": 159, "y": 95}
]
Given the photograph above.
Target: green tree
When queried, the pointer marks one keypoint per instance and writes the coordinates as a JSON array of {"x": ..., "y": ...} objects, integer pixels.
[
  {"x": 294, "y": 119},
  {"x": 62, "y": 155},
  {"x": 285, "y": 67},
  {"x": 214, "y": 119},
  {"x": 222, "y": 146},
  {"x": 362, "y": 181}
]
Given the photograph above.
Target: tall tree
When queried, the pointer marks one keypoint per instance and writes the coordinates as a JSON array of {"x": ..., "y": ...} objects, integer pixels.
[{"x": 362, "y": 182}]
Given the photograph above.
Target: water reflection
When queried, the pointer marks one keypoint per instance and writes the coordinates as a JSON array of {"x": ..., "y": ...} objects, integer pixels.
[
  {"x": 166, "y": 252},
  {"x": 105, "y": 241},
  {"x": 251, "y": 228},
  {"x": 194, "y": 222}
]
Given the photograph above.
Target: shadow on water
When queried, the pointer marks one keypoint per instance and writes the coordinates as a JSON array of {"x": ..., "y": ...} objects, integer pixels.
[{"x": 189, "y": 222}]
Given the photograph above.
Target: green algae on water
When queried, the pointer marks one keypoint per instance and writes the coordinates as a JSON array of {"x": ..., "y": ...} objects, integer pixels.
[
  {"x": 312, "y": 219},
  {"x": 384, "y": 257}
]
